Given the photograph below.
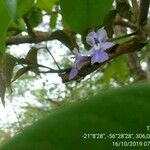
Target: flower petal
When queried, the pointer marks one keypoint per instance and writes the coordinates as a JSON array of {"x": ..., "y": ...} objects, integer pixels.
[
  {"x": 106, "y": 45},
  {"x": 102, "y": 35},
  {"x": 90, "y": 38},
  {"x": 73, "y": 73},
  {"x": 90, "y": 52},
  {"x": 99, "y": 57}
]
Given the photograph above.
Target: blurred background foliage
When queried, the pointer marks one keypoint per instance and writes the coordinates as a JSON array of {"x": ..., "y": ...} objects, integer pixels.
[{"x": 26, "y": 75}]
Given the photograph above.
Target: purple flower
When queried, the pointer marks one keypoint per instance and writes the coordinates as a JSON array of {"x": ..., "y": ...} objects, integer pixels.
[
  {"x": 98, "y": 41},
  {"x": 80, "y": 59},
  {"x": 99, "y": 56}
]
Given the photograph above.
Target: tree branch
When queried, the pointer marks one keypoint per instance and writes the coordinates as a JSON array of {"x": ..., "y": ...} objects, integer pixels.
[
  {"x": 144, "y": 7},
  {"x": 135, "y": 10},
  {"x": 20, "y": 39},
  {"x": 130, "y": 46},
  {"x": 59, "y": 35},
  {"x": 135, "y": 67}
]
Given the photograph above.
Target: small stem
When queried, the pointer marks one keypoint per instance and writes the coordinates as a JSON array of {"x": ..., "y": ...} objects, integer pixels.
[
  {"x": 55, "y": 71},
  {"x": 53, "y": 58},
  {"x": 42, "y": 66},
  {"x": 122, "y": 37},
  {"x": 31, "y": 64},
  {"x": 50, "y": 70}
]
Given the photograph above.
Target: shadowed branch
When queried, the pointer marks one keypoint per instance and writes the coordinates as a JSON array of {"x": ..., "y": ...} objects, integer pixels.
[{"x": 132, "y": 45}]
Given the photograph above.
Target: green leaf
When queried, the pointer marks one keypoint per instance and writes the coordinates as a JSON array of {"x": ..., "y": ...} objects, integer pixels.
[
  {"x": 35, "y": 17},
  {"x": 5, "y": 19},
  {"x": 20, "y": 72},
  {"x": 2, "y": 85},
  {"x": 6, "y": 70},
  {"x": 53, "y": 20},
  {"x": 18, "y": 25},
  {"x": 74, "y": 127},
  {"x": 24, "y": 6},
  {"x": 45, "y": 4},
  {"x": 8, "y": 63},
  {"x": 11, "y": 6},
  {"x": 83, "y": 14},
  {"x": 32, "y": 59}
]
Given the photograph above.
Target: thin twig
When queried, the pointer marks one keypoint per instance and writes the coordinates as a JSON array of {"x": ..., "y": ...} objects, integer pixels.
[
  {"x": 34, "y": 65},
  {"x": 50, "y": 70},
  {"x": 55, "y": 71},
  {"x": 53, "y": 57},
  {"x": 122, "y": 37}
]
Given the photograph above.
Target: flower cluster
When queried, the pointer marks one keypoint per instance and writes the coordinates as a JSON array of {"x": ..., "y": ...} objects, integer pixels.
[
  {"x": 80, "y": 59},
  {"x": 98, "y": 42}
]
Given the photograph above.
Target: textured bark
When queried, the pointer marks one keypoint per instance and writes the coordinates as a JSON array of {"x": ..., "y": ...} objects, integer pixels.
[{"x": 20, "y": 39}]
